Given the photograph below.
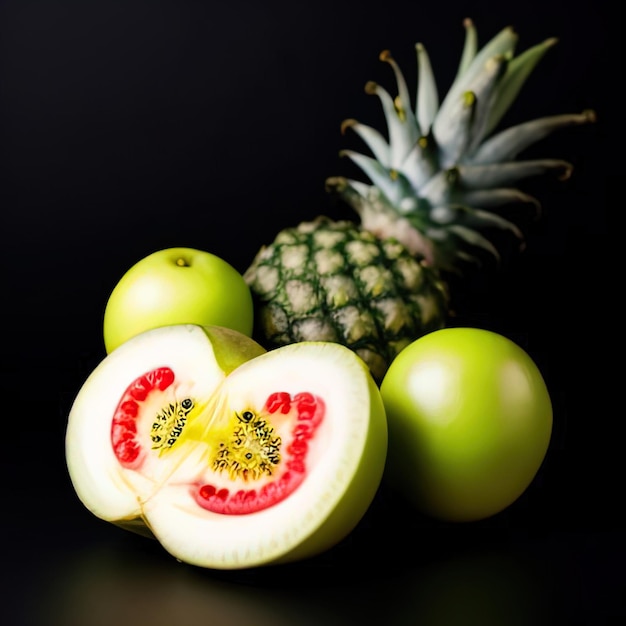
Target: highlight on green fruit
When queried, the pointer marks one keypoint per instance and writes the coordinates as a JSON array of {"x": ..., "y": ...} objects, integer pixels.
[
  {"x": 470, "y": 422},
  {"x": 230, "y": 456},
  {"x": 177, "y": 286}
]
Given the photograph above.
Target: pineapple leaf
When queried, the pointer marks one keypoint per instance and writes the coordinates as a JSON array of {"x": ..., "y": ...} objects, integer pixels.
[
  {"x": 452, "y": 215},
  {"x": 440, "y": 180},
  {"x": 494, "y": 198},
  {"x": 402, "y": 135},
  {"x": 455, "y": 247},
  {"x": 376, "y": 172},
  {"x": 474, "y": 239},
  {"x": 503, "y": 44},
  {"x": 453, "y": 135},
  {"x": 470, "y": 46},
  {"x": 427, "y": 103},
  {"x": 519, "y": 69},
  {"x": 439, "y": 188},
  {"x": 456, "y": 133},
  {"x": 374, "y": 140},
  {"x": 507, "y": 144},
  {"x": 447, "y": 184},
  {"x": 482, "y": 219},
  {"x": 403, "y": 101},
  {"x": 354, "y": 192},
  {"x": 504, "y": 174},
  {"x": 421, "y": 163},
  {"x": 486, "y": 92}
]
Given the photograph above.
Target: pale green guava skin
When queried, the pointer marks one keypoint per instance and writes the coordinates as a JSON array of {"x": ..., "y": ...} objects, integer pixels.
[
  {"x": 470, "y": 421},
  {"x": 232, "y": 348},
  {"x": 360, "y": 493},
  {"x": 177, "y": 286}
]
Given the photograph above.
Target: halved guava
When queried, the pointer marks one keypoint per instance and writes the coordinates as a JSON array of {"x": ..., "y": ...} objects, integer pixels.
[{"x": 228, "y": 455}]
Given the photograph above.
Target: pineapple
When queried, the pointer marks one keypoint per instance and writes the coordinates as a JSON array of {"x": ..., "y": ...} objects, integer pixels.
[{"x": 439, "y": 183}]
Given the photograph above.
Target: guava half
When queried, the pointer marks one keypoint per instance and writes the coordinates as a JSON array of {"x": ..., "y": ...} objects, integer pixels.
[{"x": 230, "y": 456}]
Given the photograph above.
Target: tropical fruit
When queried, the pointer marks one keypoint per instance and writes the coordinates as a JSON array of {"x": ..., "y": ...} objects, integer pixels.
[
  {"x": 177, "y": 286},
  {"x": 442, "y": 181},
  {"x": 230, "y": 456},
  {"x": 470, "y": 423}
]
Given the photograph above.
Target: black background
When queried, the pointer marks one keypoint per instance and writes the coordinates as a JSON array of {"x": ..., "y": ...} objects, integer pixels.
[{"x": 130, "y": 126}]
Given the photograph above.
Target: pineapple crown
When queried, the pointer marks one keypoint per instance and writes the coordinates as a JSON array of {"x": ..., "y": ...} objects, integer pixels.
[{"x": 440, "y": 179}]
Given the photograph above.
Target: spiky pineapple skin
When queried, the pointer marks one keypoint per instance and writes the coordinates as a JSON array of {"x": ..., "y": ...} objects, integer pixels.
[{"x": 327, "y": 280}]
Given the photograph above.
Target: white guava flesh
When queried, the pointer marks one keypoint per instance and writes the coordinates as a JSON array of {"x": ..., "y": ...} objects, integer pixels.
[{"x": 230, "y": 456}]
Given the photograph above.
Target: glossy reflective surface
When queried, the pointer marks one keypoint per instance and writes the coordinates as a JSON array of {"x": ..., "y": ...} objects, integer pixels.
[
  {"x": 514, "y": 570},
  {"x": 130, "y": 126}
]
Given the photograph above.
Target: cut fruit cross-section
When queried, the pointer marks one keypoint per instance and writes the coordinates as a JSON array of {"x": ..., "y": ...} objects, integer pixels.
[{"x": 230, "y": 456}]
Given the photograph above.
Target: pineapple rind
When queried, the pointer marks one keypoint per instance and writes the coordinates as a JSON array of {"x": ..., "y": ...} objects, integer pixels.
[{"x": 350, "y": 287}]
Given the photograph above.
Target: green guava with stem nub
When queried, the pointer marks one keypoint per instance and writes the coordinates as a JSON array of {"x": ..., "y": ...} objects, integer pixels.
[{"x": 177, "y": 286}]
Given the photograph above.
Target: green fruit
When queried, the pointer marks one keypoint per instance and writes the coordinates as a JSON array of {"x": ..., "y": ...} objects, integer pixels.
[
  {"x": 470, "y": 421},
  {"x": 177, "y": 286},
  {"x": 230, "y": 456}
]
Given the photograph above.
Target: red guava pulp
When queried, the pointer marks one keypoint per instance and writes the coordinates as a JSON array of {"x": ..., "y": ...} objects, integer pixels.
[
  {"x": 247, "y": 452},
  {"x": 230, "y": 456}
]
